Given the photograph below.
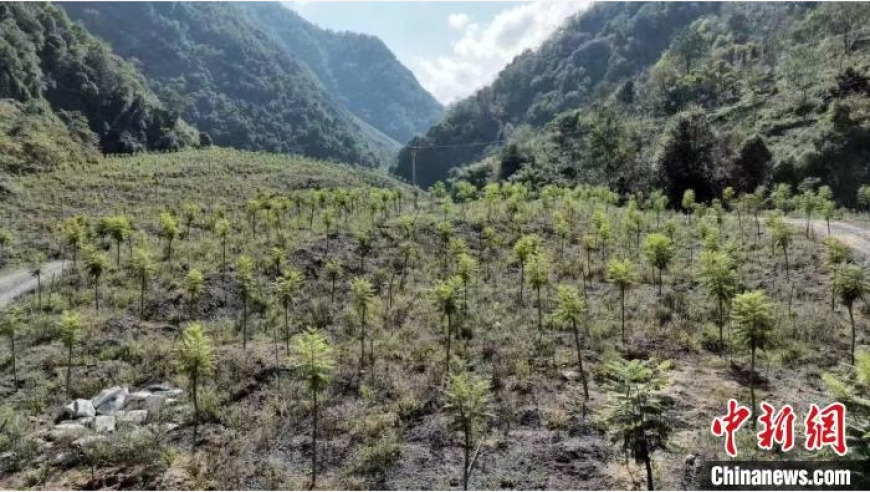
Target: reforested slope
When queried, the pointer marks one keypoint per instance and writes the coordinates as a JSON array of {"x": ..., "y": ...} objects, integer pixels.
[
  {"x": 228, "y": 77},
  {"x": 357, "y": 69}
]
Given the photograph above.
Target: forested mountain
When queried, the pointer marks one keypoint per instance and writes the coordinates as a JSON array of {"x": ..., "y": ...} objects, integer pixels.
[
  {"x": 230, "y": 79},
  {"x": 594, "y": 50},
  {"x": 67, "y": 94},
  {"x": 744, "y": 95},
  {"x": 357, "y": 69}
]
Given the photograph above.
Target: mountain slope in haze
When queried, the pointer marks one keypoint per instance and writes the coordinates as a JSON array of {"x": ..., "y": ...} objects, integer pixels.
[
  {"x": 594, "y": 50},
  {"x": 71, "y": 94},
  {"x": 357, "y": 69},
  {"x": 229, "y": 78}
]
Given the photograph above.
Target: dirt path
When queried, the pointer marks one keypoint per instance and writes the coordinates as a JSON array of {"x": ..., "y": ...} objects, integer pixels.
[
  {"x": 858, "y": 238},
  {"x": 19, "y": 282}
]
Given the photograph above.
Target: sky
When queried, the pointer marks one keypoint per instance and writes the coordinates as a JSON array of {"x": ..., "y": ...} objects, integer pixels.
[{"x": 453, "y": 47}]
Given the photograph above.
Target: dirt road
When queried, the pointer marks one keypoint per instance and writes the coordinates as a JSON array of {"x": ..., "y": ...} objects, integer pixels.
[
  {"x": 858, "y": 238},
  {"x": 19, "y": 282}
]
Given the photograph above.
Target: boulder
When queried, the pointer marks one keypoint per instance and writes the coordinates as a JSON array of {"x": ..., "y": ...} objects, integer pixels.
[
  {"x": 136, "y": 417},
  {"x": 144, "y": 400},
  {"x": 171, "y": 393},
  {"x": 80, "y": 408},
  {"x": 67, "y": 430},
  {"x": 110, "y": 400},
  {"x": 104, "y": 423}
]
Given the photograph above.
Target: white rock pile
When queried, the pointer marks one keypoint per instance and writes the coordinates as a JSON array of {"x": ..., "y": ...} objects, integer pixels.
[{"x": 112, "y": 408}]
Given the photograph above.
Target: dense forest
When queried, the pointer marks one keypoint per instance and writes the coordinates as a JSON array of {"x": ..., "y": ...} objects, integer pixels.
[
  {"x": 731, "y": 95},
  {"x": 65, "y": 89},
  {"x": 357, "y": 69},
  {"x": 229, "y": 78}
]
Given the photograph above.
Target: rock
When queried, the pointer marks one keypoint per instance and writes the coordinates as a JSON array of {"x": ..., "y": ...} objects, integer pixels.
[
  {"x": 570, "y": 375},
  {"x": 110, "y": 400},
  {"x": 67, "y": 430},
  {"x": 144, "y": 400},
  {"x": 81, "y": 408},
  {"x": 86, "y": 421},
  {"x": 172, "y": 393},
  {"x": 104, "y": 423},
  {"x": 131, "y": 416}
]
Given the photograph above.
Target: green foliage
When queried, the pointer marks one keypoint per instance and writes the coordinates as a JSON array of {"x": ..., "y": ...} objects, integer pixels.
[
  {"x": 59, "y": 63},
  {"x": 467, "y": 401},
  {"x": 199, "y": 40},
  {"x": 635, "y": 417}
]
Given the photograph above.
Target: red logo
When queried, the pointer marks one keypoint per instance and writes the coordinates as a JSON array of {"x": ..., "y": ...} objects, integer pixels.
[
  {"x": 822, "y": 427},
  {"x": 826, "y": 427}
]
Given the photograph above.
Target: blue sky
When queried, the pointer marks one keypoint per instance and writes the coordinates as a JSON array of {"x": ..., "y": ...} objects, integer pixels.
[{"x": 453, "y": 47}]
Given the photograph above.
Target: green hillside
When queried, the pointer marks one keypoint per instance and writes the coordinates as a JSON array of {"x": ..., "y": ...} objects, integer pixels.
[
  {"x": 357, "y": 69},
  {"x": 70, "y": 84},
  {"x": 592, "y": 52},
  {"x": 228, "y": 78},
  {"x": 746, "y": 95}
]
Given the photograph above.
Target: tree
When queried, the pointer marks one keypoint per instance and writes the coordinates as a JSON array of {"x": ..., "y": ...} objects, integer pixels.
[
  {"x": 467, "y": 400},
  {"x": 838, "y": 254},
  {"x": 143, "y": 267},
  {"x": 362, "y": 294},
  {"x": 780, "y": 234},
  {"x": 720, "y": 279},
  {"x": 245, "y": 277},
  {"x": 119, "y": 229},
  {"x": 74, "y": 232},
  {"x": 809, "y": 202},
  {"x": 189, "y": 212},
  {"x": 222, "y": 228},
  {"x": 332, "y": 269},
  {"x": 446, "y": 297},
  {"x": 753, "y": 319},
  {"x": 196, "y": 360},
  {"x": 688, "y": 203},
  {"x": 95, "y": 266},
  {"x": 524, "y": 248},
  {"x": 688, "y": 46},
  {"x": 539, "y": 277},
  {"x": 70, "y": 334},
  {"x": 571, "y": 311},
  {"x": 193, "y": 284},
  {"x": 36, "y": 262},
  {"x": 313, "y": 357},
  {"x": 466, "y": 268},
  {"x": 8, "y": 326},
  {"x": 688, "y": 157},
  {"x": 365, "y": 243},
  {"x": 621, "y": 273},
  {"x": 635, "y": 417},
  {"x": 659, "y": 251},
  {"x": 850, "y": 285},
  {"x": 286, "y": 288},
  {"x": 169, "y": 231}
]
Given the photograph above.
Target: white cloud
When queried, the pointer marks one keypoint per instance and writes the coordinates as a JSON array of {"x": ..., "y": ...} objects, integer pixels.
[
  {"x": 483, "y": 50},
  {"x": 458, "y": 21}
]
